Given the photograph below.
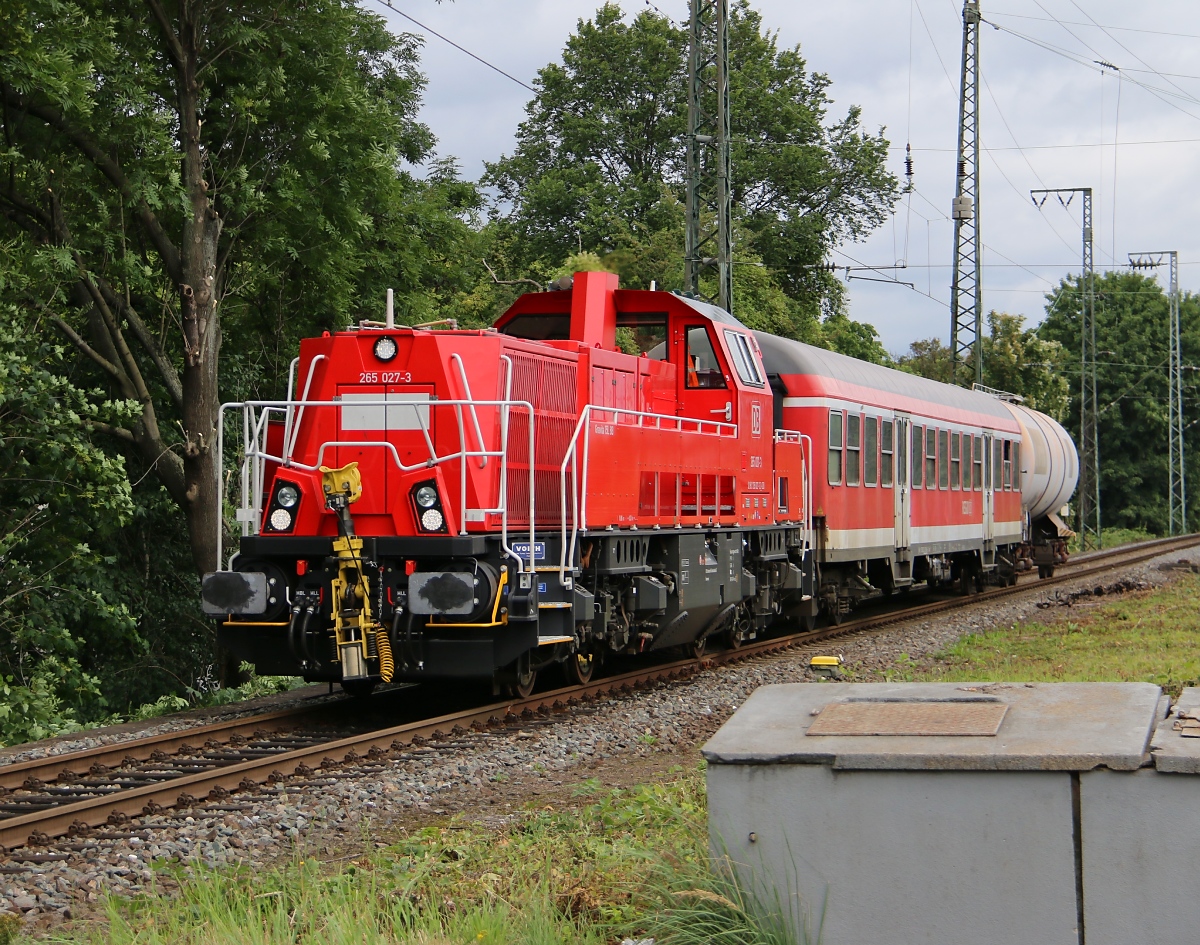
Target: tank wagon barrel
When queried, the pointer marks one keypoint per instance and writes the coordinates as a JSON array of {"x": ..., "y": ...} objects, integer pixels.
[{"x": 603, "y": 471}]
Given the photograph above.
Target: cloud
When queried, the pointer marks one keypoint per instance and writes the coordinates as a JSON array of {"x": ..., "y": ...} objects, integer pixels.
[{"x": 883, "y": 57}]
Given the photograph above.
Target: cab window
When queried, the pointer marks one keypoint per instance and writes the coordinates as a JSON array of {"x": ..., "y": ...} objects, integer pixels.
[
  {"x": 703, "y": 369},
  {"x": 643, "y": 333},
  {"x": 744, "y": 358}
]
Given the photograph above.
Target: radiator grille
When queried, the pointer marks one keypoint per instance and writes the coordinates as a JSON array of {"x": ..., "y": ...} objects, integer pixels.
[{"x": 551, "y": 386}]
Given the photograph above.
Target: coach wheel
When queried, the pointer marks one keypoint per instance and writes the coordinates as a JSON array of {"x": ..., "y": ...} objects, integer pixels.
[
  {"x": 1045, "y": 571},
  {"x": 808, "y": 623},
  {"x": 359, "y": 688},
  {"x": 966, "y": 582},
  {"x": 579, "y": 668}
]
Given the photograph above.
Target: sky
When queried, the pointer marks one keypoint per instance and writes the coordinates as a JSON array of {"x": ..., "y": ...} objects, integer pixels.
[{"x": 1050, "y": 117}]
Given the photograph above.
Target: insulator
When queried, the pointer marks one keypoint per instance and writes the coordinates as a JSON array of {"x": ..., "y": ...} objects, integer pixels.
[
  {"x": 962, "y": 168},
  {"x": 908, "y": 164}
]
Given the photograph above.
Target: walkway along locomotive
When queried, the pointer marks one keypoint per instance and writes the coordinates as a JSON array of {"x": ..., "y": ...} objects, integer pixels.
[{"x": 605, "y": 471}]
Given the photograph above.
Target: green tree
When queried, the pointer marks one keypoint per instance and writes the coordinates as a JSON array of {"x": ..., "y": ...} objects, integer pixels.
[
  {"x": 1132, "y": 320},
  {"x": 1015, "y": 359},
  {"x": 599, "y": 166},
  {"x": 179, "y": 172},
  {"x": 63, "y": 501}
]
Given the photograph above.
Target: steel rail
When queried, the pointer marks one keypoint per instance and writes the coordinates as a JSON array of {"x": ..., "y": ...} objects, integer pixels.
[
  {"x": 40, "y": 826},
  {"x": 14, "y": 776}
]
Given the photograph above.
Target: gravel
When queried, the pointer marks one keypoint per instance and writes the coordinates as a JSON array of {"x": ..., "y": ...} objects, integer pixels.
[{"x": 332, "y": 811}]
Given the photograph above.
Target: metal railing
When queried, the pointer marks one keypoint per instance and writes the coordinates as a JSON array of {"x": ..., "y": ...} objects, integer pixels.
[
  {"x": 256, "y": 454},
  {"x": 805, "y": 441},
  {"x": 641, "y": 419}
]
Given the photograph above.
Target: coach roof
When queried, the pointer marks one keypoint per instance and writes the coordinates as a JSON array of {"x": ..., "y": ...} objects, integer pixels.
[{"x": 784, "y": 356}]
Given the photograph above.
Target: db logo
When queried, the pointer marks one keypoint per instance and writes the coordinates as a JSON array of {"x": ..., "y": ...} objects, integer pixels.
[{"x": 756, "y": 419}]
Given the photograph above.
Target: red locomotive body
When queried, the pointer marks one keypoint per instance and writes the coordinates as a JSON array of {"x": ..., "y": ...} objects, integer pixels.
[{"x": 603, "y": 471}]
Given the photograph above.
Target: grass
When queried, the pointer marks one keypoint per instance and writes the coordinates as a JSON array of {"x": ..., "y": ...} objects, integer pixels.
[
  {"x": 1141, "y": 637},
  {"x": 615, "y": 864},
  {"x": 1115, "y": 537}
]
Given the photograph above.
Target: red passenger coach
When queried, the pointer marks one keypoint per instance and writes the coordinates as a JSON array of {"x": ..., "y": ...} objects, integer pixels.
[
  {"x": 919, "y": 481},
  {"x": 602, "y": 471}
]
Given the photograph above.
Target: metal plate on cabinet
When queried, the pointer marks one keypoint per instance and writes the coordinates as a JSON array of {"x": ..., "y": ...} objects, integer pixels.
[{"x": 973, "y": 717}]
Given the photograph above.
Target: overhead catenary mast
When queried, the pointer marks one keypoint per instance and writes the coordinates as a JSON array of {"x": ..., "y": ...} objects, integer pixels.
[
  {"x": 708, "y": 242},
  {"x": 1177, "y": 489},
  {"x": 1089, "y": 409},
  {"x": 966, "y": 290}
]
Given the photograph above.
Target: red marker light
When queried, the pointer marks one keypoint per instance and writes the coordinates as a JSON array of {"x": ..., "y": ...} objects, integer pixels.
[
  {"x": 409, "y": 567},
  {"x": 302, "y": 567}
]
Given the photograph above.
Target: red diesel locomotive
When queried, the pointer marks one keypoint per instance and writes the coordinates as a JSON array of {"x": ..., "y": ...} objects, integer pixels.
[{"x": 604, "y": 471}]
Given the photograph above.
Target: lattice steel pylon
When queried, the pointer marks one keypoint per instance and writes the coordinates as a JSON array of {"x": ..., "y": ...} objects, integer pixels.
[
  {"x": 709, "y": 204},
  {"x": 1176, "y": 477},
  {"x": 1088, "y": 517},
  {"x": 966, "y": 289}
]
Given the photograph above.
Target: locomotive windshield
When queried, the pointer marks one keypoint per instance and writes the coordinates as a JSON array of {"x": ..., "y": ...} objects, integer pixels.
[
  {"x": 539, "y": 327},
  {"x": 643, "y": 333}
]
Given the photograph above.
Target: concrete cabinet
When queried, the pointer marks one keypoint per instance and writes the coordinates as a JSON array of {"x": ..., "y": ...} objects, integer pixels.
[{"x": 950, "y": 813}]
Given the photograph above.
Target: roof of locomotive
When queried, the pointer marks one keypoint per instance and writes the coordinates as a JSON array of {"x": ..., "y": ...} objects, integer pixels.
[{"x": 784, "y": 356}]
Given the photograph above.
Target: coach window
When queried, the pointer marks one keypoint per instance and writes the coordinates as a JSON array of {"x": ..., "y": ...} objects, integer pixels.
[
  {"x": 871, "y": 451},
  {"x": 703, "y": 369},
  {"x": 931, "y": 458},
  {"x": 886, "y": 428},
  {"x": 1007, "y": 464},
  {"x": 835, "y": 447},
  {"x": 955, "y": 460},
  {"x": 977, "y": 479},
  {"x": 966, "y": 461},
  {"x": 944, "y": 459},
  {"x": 1016, "y": 466},
  {"x": 918, "y": 455},
  {"x": 853, "y": 448},
  {"x": 997, "y": 464}
]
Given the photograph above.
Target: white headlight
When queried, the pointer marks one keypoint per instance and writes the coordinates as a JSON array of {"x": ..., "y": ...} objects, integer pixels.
[
  {"x": 385, "y": 348},
  {"x": 432, "y": 520},
  {"x": 281, "y": 520},
  {"x": 426, "y": 497},
  {"x": 287, "y": 496}
]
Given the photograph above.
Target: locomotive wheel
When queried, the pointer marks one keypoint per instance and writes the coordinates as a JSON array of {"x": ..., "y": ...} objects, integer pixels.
[
  {"x": 579, "y": 668},
  {"x": 359, "y": 688},
  {"x": 739, "y": 628},
  {"x": 518, "y": 679},
  {"x": 699, "y": 645},
  {"x": 808, "y": 623}
]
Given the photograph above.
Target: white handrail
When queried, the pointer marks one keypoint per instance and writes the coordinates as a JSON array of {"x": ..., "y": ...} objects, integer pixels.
[
  {"x": 289, "y": 436},
  {"x": 579, "y": 515},
  {"x": 255, "y": 424},
  {"x": 462, "y": 376}
]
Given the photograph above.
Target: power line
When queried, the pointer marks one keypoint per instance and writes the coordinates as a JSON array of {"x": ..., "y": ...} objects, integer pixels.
[
  {"x": 1052, "y": 147},
  {"x": 1123, "y": 29},
  {"x": 446, "y": 39}
]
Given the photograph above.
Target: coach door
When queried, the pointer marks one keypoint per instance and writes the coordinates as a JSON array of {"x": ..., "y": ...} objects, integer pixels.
[
  {"x": 988, "y": 497},
  {"x": 902, "y": 491}
]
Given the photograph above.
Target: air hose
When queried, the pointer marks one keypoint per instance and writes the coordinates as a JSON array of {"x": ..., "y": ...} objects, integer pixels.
[{"x": 387, "y": 666}]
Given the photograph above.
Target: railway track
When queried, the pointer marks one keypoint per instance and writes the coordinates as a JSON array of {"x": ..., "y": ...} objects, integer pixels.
[{"x": 73, "y": 794}]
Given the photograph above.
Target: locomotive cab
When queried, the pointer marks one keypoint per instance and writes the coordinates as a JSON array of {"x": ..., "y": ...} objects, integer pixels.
[{"x": 597, "y": 473}]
